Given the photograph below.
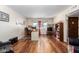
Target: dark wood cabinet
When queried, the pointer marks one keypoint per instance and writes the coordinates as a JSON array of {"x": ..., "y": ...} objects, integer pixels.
[{"x": 59, "y": 31}]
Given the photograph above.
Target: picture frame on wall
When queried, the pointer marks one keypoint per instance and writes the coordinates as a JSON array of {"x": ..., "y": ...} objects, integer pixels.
[{"x": 4, "y": 16}]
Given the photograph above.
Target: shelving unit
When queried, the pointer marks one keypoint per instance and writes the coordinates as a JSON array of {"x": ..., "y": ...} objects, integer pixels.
[{"x": 59, "y": 31}]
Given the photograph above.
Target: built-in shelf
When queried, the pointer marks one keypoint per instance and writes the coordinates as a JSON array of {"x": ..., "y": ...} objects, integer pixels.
[{"x": 59, "y": 31}]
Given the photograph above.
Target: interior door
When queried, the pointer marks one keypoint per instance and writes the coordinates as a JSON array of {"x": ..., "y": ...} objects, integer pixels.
[{"x": 73, "y": 27}]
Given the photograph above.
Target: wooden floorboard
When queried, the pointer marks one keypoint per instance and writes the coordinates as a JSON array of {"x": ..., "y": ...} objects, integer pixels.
[{"x": 45, "y": 44}]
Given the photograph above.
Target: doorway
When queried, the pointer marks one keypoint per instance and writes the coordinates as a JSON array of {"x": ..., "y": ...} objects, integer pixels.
[{"x": 73, "y": 27}]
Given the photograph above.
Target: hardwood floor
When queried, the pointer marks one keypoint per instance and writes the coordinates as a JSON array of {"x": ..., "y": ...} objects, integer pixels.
[{"x": 45, "y": 44}]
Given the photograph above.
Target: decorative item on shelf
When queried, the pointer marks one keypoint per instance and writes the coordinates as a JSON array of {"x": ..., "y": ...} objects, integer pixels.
[{"x": 4, "y": 16}]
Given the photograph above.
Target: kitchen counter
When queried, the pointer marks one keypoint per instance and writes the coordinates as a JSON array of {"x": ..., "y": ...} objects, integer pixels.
[{"x": 34, "y": 35}]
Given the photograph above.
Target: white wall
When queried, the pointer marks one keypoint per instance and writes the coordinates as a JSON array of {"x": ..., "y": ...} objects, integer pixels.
[
  {"x": 63, "y": 17},
  {"x": 10, "y": 29}
]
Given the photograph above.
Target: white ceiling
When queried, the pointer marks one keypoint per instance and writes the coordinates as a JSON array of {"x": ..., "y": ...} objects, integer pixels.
[
  {"x": 74, "y": 14},
  {"x": 38, "y": 11}
]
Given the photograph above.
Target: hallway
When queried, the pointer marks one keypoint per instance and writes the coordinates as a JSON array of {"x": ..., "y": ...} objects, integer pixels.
[
  {"x": 45, "y": 44},
  {"x": 25, "y": 23},
  {"x": 39, "y": 29}
]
